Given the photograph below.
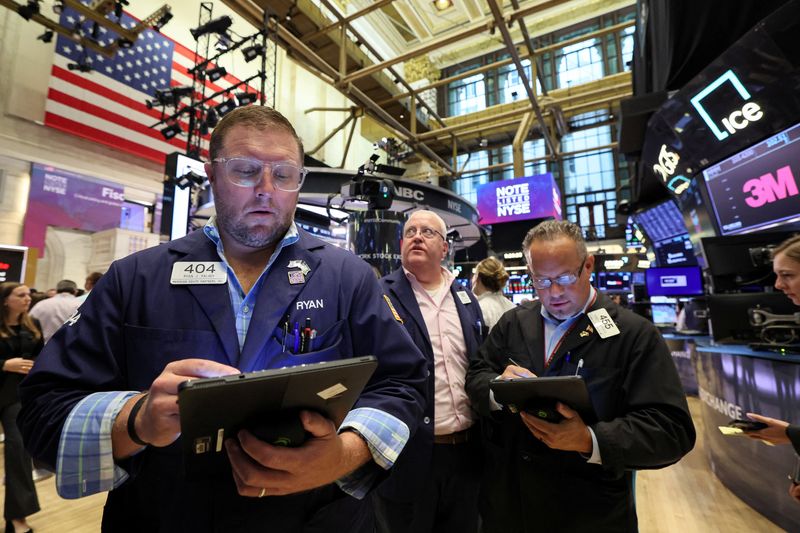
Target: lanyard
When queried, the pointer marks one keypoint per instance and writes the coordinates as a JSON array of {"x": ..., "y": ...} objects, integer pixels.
[{"x": 553, "y": 352}]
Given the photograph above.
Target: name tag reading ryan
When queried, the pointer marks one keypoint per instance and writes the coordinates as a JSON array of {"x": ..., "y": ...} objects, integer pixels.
[{"x": 198, "y": 273}]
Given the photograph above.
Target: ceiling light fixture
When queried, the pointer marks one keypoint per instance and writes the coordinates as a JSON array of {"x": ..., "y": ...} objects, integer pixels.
[
  {"x": 213, "y": 74},
  {"x": 171, "y": 131},
  {"x": 225, "y": 107},
  {"x": 218, "y": 25},
  {"x": 441, "y": 5},
  {"x": 246, "y": 98},
  {"x": 252, "y": 52}
]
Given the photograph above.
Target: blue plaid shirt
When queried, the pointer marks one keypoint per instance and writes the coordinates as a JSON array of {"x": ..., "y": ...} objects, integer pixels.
[{"x": 85, "y": 463}]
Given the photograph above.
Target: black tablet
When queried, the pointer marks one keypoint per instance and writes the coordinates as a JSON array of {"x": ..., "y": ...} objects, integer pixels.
[
  {"x": 213, "y": 409},
  {"x": 538, "y": 396}
]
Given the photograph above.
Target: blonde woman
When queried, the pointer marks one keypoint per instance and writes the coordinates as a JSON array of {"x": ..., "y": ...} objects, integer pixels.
[{"x": 487, "y": 283}]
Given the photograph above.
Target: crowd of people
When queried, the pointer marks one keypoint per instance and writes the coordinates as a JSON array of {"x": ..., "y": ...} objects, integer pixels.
[{"x": 427, "y": 446}]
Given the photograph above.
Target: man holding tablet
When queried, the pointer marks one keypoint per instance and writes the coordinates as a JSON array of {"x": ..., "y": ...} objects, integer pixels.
[
  {"x": 250, "y": 291},
  {"x": 564, "y": 475}
]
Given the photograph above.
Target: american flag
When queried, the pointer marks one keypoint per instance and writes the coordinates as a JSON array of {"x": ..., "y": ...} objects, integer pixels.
[{"x": 107, "y": 105}]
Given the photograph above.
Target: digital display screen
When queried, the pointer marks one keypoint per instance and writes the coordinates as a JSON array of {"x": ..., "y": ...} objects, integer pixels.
[
  {"x": 614, "y": 281},
  {"x": 662, "y": 222},
  {"x": 664, "y": 314},
  {"x": 519, "y": 199},
  {"x": 674, "y": 281},
  {"x": 677, "y": 251},
  {"x": 759, "y": 187}
]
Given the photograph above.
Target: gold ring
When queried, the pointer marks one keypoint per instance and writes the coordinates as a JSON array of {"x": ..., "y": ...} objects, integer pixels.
[{"x": 263, "y": 490}]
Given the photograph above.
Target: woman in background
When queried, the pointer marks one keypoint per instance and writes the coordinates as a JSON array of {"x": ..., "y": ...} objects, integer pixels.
[
  {"x": 487, "y": 283},
  {"x": 20, "y": 342},
  {"x": 786, "y": 265}
]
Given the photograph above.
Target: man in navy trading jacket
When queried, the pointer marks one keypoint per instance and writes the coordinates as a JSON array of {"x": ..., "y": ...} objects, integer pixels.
[
  {"x": 570, "y": 476},
  {"x": 153, "y": 322},
  {"x": 434, "y": 485}
]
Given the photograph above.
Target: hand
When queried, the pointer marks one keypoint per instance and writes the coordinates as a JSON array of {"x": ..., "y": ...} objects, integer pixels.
[
  {"x": 18, "y": 365},
  {"x": 261, "y": 469},
  {"x": 794, "y": 491},
  {"x": 571, "y": 434},
  {"x": 514, "y": 372},
  {"x": 158, "y": 422},
  {"x": 775, "y": 433}
]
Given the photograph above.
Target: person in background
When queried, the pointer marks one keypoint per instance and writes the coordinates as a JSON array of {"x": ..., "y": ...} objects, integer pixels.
[
  {"x": 88, "y": 285},
  {"x": 434, "y": 486},
  {"x": 487, "y": 283},
  {"x": 786, "y": 265},
  {"x": 50, "y": 293},
  {"x": 20, "y": 343},
  {"x": 53, "y": 312},
  {"x": 574, "y": 475},
  {"x": 101, "y": 403}
]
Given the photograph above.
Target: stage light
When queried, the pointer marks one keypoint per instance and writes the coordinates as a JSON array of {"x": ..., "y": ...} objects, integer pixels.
[
  {"x": 246, "y": 98},
  {"x": 213, "y": 74},
  {"x": 252, "y": 52},
  {"x": 181, "y": 90},
  {"x": 29, "y": 10},
  {"x": 46, "y": 37},
  {"x": 81, "y": 67},
  {"x": 225, "y": 107},
  {"x": 189, "y": 179},
  {"x": 211, "y": 118},
  {"x": 171, "y": 131},
  {"x": 162, "y": 21},
  {"x": 217, "y": 25}
]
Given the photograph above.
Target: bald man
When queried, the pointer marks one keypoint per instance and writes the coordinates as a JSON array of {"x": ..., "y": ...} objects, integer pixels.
[{"x": 434, "y": 484}]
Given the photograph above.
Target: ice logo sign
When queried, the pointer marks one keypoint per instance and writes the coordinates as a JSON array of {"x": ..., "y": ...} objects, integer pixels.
[
  {"x": 674, "y": 281},
  {"x": 739, "y": 118}
]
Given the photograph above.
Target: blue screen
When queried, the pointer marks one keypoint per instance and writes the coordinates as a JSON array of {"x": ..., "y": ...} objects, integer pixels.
[
  {"x": 664, "y": 314},
  {"x": 674, "y": 281}
]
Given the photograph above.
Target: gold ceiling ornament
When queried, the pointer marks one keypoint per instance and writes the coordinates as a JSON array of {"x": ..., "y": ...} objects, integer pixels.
[{"x": 420, "y": 68}]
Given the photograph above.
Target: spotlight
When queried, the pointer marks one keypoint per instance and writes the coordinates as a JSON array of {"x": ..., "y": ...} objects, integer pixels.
[
  {"x": 252, "y": 52},
  {"x": 189, "y": 179},
  {"x": 225, "y": 107},
  {"x": 119, "y": 5},
  {"x": 441, "y": 5},
  {"x": 211, "y": 118},
  {"x": 181, "y": 90},
  {"x": 217, "y": 25},
  {"x": 224, "y": 42},
  {"x": 29, "y": 10},
  {"x": 171, "y": 131},
  {"x": 246, "y": 98},
  {"x": 81, "y": 67},
  {"x": 46, "y": 37},
  {"x": 162, "y": 21},
  {"x": 213, "y": 74}
]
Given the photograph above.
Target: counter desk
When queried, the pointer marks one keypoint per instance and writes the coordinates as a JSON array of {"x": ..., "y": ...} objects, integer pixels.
[
  {"x": 682, "y": 348},
  {"x": 733, "y": 380}
]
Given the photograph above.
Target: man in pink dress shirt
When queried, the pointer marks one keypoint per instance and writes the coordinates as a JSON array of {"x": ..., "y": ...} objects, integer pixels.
[{"x": 434, "y": 484}]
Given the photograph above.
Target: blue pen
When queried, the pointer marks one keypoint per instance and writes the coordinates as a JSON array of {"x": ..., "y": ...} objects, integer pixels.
[{"x": 296, "y": 337}]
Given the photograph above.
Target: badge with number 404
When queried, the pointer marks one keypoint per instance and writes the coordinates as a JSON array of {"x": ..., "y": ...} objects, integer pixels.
[{"x": 198, "y": 273}]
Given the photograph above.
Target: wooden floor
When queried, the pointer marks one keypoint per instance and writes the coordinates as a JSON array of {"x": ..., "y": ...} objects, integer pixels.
[{"x": 684, "y": 498}]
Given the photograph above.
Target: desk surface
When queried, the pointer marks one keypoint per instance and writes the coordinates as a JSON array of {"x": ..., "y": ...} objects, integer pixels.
[{"x": 744, "y": 350}]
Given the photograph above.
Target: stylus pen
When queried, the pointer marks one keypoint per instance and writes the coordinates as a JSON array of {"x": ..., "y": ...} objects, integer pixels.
[
  {"x": 580, "y": 365},
  {"x": 296, "y": 337},
  {"x": 514, "y": 363}
]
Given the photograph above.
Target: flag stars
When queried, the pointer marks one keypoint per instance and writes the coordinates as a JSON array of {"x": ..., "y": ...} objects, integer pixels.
[
  {"x": 109, "y": 69},
  {"x": 129, "y": 64},
  {"x": 127, "y": 78},
  {"x": 138, "y": 76},
  {"x": 138, "y": 62}
]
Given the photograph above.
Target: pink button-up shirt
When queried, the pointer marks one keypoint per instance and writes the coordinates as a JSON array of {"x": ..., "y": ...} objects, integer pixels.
[{"x": 452, "y": 411}]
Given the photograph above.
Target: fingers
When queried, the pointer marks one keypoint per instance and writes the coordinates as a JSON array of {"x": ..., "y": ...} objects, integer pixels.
[
  {"x": 760, "y": 418},
  {"x": 566, "y": 411},
  {"x": 200, "y": 368},
  {"x": 513, "y": 371},
  {"x": 253, "y": 479},
  {"x": 317, "y": 425}
]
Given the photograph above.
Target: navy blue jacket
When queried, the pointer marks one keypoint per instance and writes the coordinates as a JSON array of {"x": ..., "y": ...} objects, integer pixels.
[
  {"x": 413, "y": 465},
  {"x": 136, "y": 321}
]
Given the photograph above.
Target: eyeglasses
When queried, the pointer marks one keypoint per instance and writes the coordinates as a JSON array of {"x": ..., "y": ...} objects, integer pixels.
[
  {"x": 564, "y": 280},
  {"x": 428, "y": 233},
  {"x": 246, "y": 172}
]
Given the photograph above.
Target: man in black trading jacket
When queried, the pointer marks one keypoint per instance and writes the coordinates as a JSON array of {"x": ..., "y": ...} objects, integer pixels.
[{"x": 570, "y": 476}]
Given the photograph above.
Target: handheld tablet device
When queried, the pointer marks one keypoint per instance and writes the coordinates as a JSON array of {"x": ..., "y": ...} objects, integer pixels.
[
  {"x": 538, "y": 396},
  {"x": 267, "y": 402}
]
